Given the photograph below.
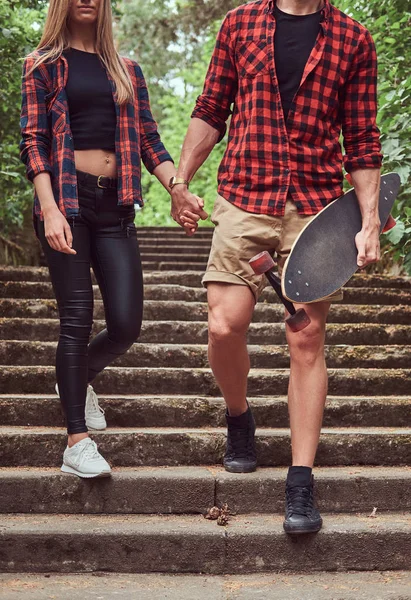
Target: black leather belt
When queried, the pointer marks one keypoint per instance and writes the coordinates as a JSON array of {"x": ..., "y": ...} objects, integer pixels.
[{"x": 100, "y": 181}]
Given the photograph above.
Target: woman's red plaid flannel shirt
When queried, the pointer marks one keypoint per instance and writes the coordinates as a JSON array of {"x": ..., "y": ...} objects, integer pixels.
[
  {"x": 47, "y": 143},
  {"x": 267, "y": 158}
]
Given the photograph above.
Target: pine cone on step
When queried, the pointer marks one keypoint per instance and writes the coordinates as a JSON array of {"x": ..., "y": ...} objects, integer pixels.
[{"x": 212, "y": 513}]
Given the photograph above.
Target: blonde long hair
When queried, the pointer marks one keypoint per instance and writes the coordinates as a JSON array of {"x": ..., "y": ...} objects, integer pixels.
[{"x": 55, "y": 40}]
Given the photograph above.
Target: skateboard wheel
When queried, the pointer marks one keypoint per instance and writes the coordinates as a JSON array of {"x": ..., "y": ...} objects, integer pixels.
[
  {"x": 390, "y": 224},
  {"x": 262, "y": 263},
  {"x": 299, "y": 321}
]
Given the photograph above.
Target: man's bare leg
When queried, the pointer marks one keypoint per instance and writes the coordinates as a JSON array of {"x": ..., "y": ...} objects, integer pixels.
[
  {"x": 307, "y": 394},
  {"x": 230, "y": 309},
  {"x": 308, "y": 385}
]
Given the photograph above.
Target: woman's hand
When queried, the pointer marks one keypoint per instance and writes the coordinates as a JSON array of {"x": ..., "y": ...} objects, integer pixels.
[
  {"x": 187, "y": 209},
  {"x": 58, "y": 232}
]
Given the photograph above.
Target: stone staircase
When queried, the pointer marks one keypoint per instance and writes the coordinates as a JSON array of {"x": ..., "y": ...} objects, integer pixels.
[{"x": 166, "y": 435}]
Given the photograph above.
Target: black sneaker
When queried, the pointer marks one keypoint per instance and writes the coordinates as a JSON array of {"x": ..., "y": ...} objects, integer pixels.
[
  {"x": 301, "y": 516},
  {"x": 240, "y": 456}
]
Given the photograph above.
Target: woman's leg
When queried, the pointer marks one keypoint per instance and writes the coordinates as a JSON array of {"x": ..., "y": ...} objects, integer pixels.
[
  {"x": 70, "y": 275},
  {"x": 117, "y": 266}
]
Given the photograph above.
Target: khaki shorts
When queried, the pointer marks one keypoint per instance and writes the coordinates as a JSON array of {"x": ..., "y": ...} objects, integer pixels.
[{"x": 240, "y": 235}]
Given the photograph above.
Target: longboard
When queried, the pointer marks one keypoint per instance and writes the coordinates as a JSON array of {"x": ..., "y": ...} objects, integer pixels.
[{"x": 324, "y": 255}]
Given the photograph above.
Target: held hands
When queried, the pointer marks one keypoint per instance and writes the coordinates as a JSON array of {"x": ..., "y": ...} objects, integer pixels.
[
  {"x": 58, "y": 232},
  {"x": 187, "y": 209},
  {"x": 368, "y": 246}
]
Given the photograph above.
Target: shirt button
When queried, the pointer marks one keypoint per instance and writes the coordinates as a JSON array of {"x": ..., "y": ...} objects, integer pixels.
[{"x": 287, "y": 171}]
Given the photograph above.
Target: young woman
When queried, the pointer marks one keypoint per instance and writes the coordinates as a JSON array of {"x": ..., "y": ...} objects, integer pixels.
[{"x": 86, "y": 124}]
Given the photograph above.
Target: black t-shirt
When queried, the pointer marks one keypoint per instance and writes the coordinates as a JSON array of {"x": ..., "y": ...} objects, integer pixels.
[
  {"x": 90, "y": 99},
  {"x": 294, "y": 39}
]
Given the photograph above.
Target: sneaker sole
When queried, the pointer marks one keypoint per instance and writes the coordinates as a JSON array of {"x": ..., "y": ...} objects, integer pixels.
[
  {"x": 240, "y": 469},
  {"x": 291, "y": 531},
  {"x": 95, "y": 425},
  {"x": 66, "y": 469}
]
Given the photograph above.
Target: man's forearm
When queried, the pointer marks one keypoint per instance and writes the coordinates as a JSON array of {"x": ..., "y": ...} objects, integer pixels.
[
  {"x": 367, "y": 188},
  {"x": 199, "y": 141}
]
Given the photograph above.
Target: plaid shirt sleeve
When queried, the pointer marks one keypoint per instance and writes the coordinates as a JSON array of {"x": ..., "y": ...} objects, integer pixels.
[
  {"x": 359, "y": 110},
  {"x": 153, "y": 152},
  {"x": 220, "y": 88},
  {"x": 35, "y": 143}
]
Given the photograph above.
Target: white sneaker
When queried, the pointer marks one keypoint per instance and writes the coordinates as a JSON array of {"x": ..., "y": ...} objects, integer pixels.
[
  {"x": 83, "y": 459},
  {"x": 95, "y": 418}
]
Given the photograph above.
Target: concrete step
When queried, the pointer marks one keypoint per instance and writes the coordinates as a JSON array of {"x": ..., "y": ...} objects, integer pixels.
[
  {"x": 173, "y": 231},
  {"x": 194, "y": 411},
  {"x": 162, "y": 249},
  {"x": 134, "y": 447},
  {"x": 169, "y": 256},
  {"x": 141, "y": 543},
  {"x": 21, "y": 353},
  {"x": 174, "y": 265},
  {"x": 195, "y": 332},
  {"x": 164, "y": 310},
  {"x": 186, "y": 490},
  {"x": 375, "y": 585},
  {"x": 166, "y": 291},
  {"x": 38, "y": 274},
  {"x": 130, "y": 380}
]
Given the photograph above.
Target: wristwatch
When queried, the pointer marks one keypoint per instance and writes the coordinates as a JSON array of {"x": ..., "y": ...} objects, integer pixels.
[{"x": 176, "y": 181}]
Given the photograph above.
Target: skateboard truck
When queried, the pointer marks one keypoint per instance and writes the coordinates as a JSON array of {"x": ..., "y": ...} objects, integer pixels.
[
  {"x": 263, "y": 264},
  {"x": 390, "y": 224}
]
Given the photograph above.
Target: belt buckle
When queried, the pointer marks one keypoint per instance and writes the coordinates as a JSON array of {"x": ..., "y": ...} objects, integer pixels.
[{"x": 99, "y": 184}]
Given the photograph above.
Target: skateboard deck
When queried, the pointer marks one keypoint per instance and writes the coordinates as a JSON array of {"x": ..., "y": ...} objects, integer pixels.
[{"x": 324, "y": 256}]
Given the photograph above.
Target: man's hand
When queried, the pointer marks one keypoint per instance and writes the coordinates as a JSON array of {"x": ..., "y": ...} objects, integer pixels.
[
  {"x": 187, "y": 209},
  {"x": 368, "y": 246},
  {"x": 58, "y": 232}
]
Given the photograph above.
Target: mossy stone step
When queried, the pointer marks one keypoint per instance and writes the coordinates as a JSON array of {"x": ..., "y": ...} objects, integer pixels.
[
  {"x": 132, "y": 447},
  {"x": 141, "y": 543},
  {"x": 184, "y": 490},
  {"x": 30, "y": 353},
  {"x": 169, "y": 310},
  {"x": 196, "y": 411}
]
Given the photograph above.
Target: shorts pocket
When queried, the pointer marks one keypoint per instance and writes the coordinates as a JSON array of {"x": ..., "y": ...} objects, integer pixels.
[{"x": 218, "y": 207}]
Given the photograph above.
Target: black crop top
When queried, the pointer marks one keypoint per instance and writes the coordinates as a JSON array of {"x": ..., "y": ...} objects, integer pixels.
[{"x": 90, "y": 100}]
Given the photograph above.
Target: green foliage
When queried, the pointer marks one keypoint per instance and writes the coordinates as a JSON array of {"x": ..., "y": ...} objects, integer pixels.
[
  {"x": 389, "y": 22},
  {"x": 17, "y": 38}
]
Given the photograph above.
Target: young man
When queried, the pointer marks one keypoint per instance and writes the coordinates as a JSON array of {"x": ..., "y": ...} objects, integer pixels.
[{"x": 297, "y": 72}]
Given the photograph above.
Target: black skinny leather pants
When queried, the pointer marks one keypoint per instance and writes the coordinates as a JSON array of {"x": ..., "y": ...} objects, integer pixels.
[{"x": 104, "y": 236}]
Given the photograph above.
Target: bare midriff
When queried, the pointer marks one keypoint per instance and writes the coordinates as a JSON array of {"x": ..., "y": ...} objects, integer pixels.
[{"x": 96, "y": 162}]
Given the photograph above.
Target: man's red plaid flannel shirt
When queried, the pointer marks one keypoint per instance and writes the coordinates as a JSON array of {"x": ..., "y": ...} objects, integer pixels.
[
  {"x": 47, "y": 143},
  {"x": 267, "y": 158}
]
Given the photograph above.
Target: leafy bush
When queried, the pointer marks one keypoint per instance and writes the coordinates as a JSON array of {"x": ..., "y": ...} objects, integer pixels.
[{"x": 18, "y": 36}]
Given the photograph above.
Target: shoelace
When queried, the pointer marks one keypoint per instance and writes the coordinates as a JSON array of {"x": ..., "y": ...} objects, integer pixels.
[
  {"x": 239, "y": 443},
  {"x": 299, "y": 500},
  {"x": 94, "y": 400},
  {"x": 90, "y": 450}
]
